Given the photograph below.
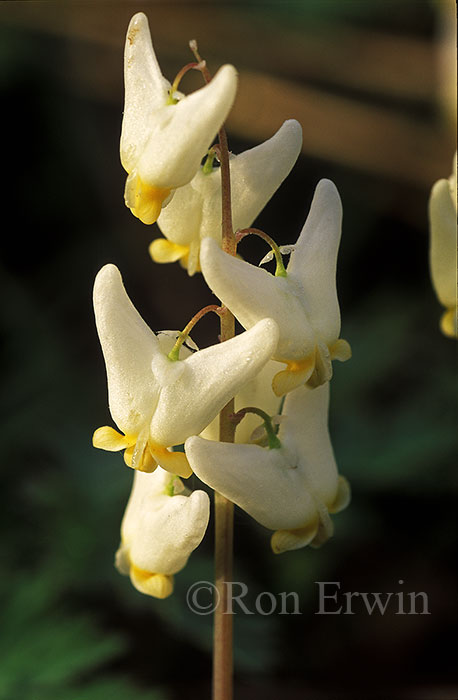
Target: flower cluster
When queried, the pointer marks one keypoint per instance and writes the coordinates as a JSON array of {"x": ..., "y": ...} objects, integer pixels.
[{"x": 164, "y": 393}]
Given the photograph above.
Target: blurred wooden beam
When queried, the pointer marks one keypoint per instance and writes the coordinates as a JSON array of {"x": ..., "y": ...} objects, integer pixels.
[
  {"x": 371, "y": 139},
  {"x": 400, "y": 66},
  {"x": 353, "y": 132}
]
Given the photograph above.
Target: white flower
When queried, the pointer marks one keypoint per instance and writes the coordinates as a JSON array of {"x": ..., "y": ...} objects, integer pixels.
[
  {"x": 303, "y": 303},
  {"x": 442, "y": 253},
  {"x": 156, "y": 402},
  {"x": 290, "y": 489},
  {"x": 195, "y": 211},
  {"x": 164, "y": 136},
  {"x": 162, "y": 525}
]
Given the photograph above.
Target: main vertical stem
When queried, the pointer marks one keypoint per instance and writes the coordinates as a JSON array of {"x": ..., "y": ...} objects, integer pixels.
[{"x": 224, "y": 509}]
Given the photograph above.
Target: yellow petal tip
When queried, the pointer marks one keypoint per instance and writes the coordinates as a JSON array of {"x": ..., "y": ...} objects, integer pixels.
[{"x": 155, "y": 585}]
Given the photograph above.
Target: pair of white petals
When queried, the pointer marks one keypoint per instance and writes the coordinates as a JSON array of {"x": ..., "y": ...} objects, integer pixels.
[
  {"x": 164, "y": 136},
  {"x": 442, "y": 254},
  {"x": 195, "y": 210},
  {"x": 157, "y": 403},
  {"x": 304, "y": 304},
  {"x": 162, "y": 525},
  {"x": 290, "y": 489}
]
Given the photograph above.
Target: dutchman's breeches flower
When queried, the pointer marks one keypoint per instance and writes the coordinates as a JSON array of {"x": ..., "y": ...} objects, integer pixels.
[
  {"x": 195, "y": 210},
  {"x": 303, "y": 301},
  {"x": 162, "y": 525},
  {"x": 291, "y": 486},
  {"x": 442, "y": 253},
  {"x": 164, "y": 134},
  {"x": 158, "y": 402}
]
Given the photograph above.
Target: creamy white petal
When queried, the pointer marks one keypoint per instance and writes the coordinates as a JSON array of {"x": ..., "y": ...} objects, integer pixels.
[
  {"x": 314, "y": 259},
  {"x": 443, "y": 242},
  {"x": 305, "y": 429},
  {"x": 146, "y": 90},
  {"x": 160, "y": 531},
  {"x": 265, "y": 483},
  {"x": 181, "y": 220},
  {"x": 210, "y": 379},
  {"x": 181, "y": 133},
  {"x": 252, "y": 293},
  {"x": 128, "y": 347},
  {"x": 257, "y": 173}
]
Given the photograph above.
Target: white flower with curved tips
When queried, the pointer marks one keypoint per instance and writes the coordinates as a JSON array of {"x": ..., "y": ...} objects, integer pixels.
[
  {"x": 164, "y": 135},
  {"x": 195, "y": 211},
  {"x": 303, "y": 303},
  {"x": 291, "y": 488},
  {"x": 442, "y": 253},
  {"x": 156, "y": 402},
  {"x": 162, "y": 525}
]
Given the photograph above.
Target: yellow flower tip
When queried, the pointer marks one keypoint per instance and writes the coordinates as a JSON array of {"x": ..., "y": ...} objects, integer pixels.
[
  {"x": 173, "y": 462},
  {"x": 155, "y": 585},
  {"x": 145, "y": 201},
  {"x": 164, "y": 251},
  {"x": 106, "y": 438},
  {"x": 288, "y": 540},
  {"x": 184, "y": 262},
  {"x": 296, "y": 374},
  {"x": 340, "y": 350},
  {"x": 145, "y": 462},
  {"x": 449, "y": 323}
]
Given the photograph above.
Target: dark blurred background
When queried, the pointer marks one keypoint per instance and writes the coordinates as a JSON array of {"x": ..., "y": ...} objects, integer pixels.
[{"x": 372, "y": 85}]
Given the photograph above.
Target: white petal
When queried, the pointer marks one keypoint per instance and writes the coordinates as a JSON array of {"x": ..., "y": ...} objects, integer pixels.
[
  {"x": 263, "y": 482},
  {"x": 442, "y": 216},
  {"x": 180, "y": 221},
  {"x": 305, "y": 429},
  {"x": 210, "y": 379},
  {"x": 182, "y": 133},
  {"x": 146, "y": 90},
  {"x": 252, "y": 293},
  {"x": 161, "y": 531},
  {"x": 128, "y": 347},
  {"x": 257, "y": 173},
  {"x": 313, "y": 262}
]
